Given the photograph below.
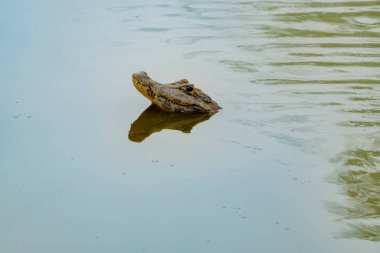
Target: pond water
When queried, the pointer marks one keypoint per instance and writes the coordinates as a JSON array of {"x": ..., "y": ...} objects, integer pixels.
[{"x": 290, "y": 164}]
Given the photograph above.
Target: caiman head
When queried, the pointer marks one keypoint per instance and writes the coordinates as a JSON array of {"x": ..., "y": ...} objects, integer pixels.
[{"x": 180, "y": 96}]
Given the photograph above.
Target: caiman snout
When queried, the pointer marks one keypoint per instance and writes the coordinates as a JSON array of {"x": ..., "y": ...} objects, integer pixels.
[{"x": 140, "y": 78}]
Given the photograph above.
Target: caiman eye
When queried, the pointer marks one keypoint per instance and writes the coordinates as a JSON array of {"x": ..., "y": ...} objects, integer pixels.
[{"x": 189, "y": 88}]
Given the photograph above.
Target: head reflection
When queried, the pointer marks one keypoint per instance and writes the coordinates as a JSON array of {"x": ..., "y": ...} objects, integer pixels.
[{"x": 153, "y": 119}]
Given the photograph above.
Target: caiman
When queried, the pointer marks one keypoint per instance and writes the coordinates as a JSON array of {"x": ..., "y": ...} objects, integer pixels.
[{"x": 180, "y": 96}]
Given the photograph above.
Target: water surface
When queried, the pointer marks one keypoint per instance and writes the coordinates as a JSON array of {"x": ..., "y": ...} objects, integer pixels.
[{"x": 291, "y": 163}]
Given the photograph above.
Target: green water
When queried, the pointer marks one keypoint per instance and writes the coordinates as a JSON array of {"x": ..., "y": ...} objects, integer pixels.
[{"x": 290, "y": 164}]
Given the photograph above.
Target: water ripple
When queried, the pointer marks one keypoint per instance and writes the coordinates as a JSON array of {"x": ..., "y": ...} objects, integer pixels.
[{"x": 288, "y": 59}]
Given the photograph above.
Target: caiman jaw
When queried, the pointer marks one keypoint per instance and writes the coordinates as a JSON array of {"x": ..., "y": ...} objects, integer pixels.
[
  {"x": 144, "y": 85},
  {"x": 179, "y": 96}
]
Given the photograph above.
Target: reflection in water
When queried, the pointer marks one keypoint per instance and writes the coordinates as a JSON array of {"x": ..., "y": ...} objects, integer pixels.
[
  {"x": 360, "y": 179},
  {"x": 153, "y": 120}
]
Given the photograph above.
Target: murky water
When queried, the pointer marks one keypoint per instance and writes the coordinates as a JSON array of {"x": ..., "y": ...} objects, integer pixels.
[{"x": 291, "y": 163}]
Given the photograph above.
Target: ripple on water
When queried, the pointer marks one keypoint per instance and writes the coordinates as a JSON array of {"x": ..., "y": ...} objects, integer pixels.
[{"x": 306, "y": 72}]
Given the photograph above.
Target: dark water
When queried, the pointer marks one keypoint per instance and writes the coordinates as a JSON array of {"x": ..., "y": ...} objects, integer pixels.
[{"x": 291, "y": 163}]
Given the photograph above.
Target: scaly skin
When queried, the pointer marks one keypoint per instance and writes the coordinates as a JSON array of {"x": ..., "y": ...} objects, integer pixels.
[{"x": 180, "y": 96}]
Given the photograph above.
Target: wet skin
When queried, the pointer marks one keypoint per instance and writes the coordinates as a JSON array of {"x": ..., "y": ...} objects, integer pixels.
[{"x": 180, "y": 96}]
